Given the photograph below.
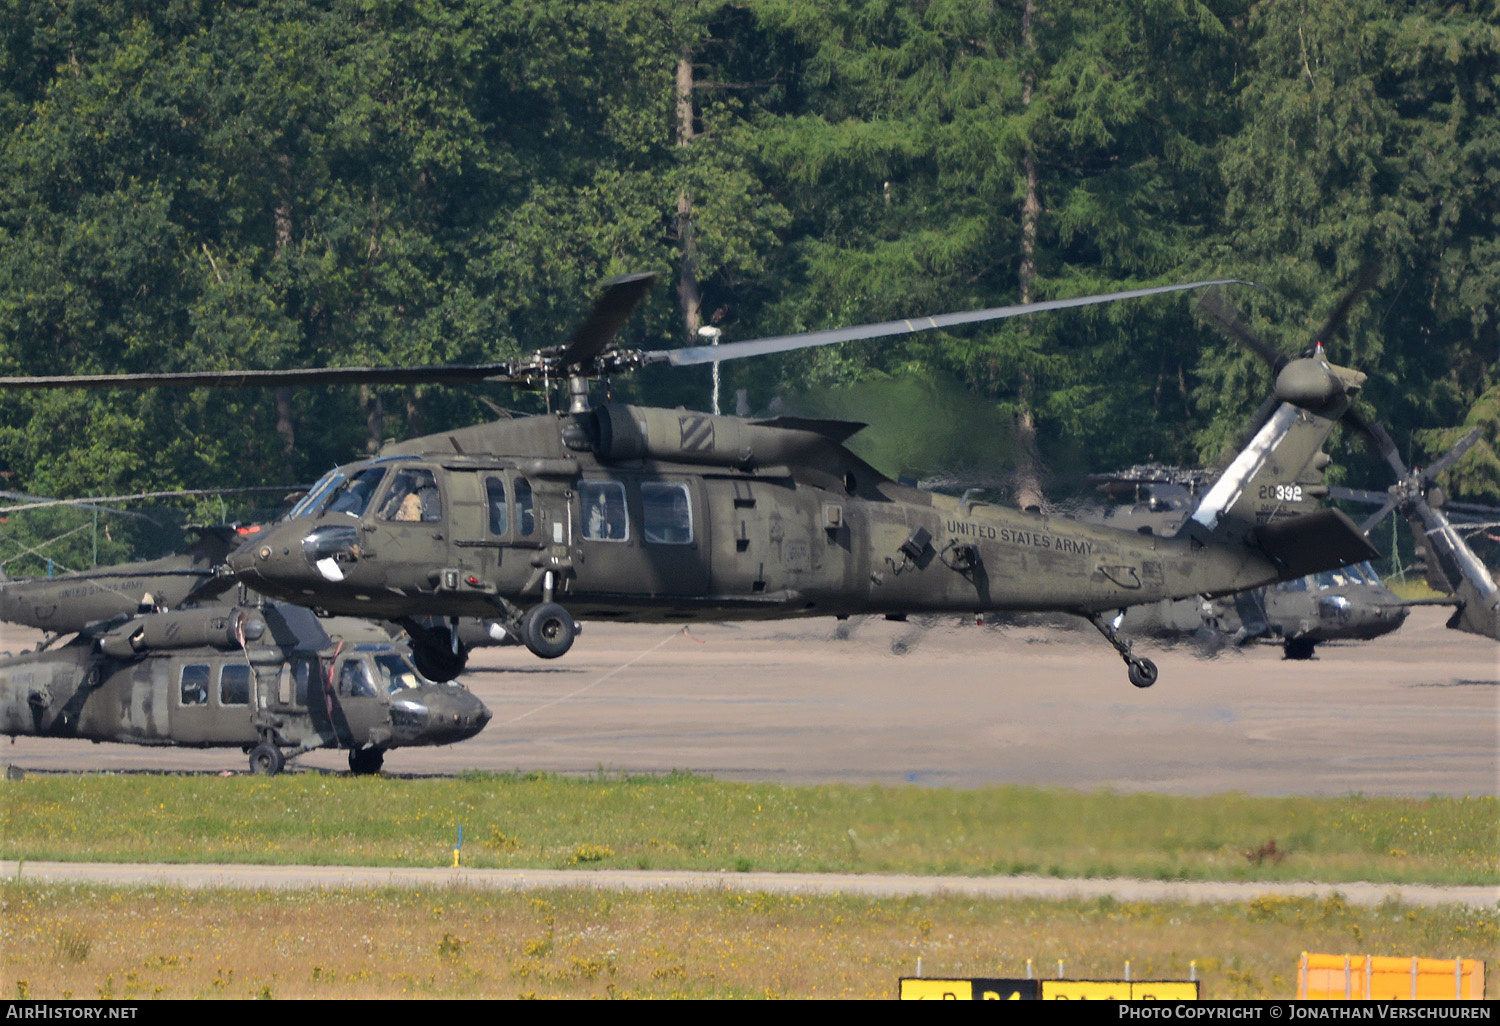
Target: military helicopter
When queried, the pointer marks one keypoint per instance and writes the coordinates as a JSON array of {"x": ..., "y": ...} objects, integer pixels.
[
  {"x": 72, "y": 601},
  {"x": 1350, "y": 603},
  {"x": 637, "y": 514},
  {"x": 273, "y": 680},
  {"x": 1450, "y": 565},
  {"x": 69, "y": 602}
]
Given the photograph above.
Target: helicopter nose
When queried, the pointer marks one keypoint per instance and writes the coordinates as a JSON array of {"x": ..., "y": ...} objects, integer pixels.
[{"x": 439, "y": 715}]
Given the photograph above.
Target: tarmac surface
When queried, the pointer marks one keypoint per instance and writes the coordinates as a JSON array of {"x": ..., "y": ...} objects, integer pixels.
[{"x": 949, "y": 703}]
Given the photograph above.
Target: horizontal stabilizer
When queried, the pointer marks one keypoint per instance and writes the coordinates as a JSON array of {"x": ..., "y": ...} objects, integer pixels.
[{"x": 1305, "y": 544}]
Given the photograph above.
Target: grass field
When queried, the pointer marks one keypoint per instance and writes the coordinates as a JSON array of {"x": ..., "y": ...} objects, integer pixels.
[
  {"x": 92, "y": 942},
  {"x": 676, "y": 821},
  {"x": 128, "y": 943}
]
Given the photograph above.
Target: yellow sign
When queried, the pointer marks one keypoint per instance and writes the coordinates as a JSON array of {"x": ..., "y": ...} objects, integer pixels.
[
  {"x": 1085, "y": 990},
  {"x": 936, "y": 990},
  {"x": 1164, "y": 990},
  {"x": 993, "y": 989}
]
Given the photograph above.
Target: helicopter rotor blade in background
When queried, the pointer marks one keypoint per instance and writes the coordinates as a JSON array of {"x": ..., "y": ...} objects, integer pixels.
[
  {"x": 1452, "y": 456},
  {"x": 1364, "y": 495},
  {"x": 694, "y": 355},
  {"x": 1379, "y": 438},
  {"x": 1372, "y": 521},
  {"x": 612, "y": 309}
]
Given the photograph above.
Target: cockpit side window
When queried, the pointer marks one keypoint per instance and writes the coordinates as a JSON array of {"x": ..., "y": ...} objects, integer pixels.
[
  {"x": 354, "y": 680},
  {"x": 494, "y": 494},
  {"x": 413, "y": 498},
  {"x": 353, "y": 496}
]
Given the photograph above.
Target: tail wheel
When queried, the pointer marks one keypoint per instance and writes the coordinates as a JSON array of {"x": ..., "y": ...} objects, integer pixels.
[
  {"x": 548, "y": 630},
  {"x": 266, "y": 760},
  {"x": 364, "y": 762}
]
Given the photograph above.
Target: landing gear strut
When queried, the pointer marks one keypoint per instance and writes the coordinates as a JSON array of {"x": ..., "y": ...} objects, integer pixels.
[{"x": 1142, "y": 670}]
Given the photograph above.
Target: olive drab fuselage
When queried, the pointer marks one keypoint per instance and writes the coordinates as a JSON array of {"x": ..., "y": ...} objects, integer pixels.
[
  {"x": 638, "y": 514},
  {"x": 193, "y": 679}
]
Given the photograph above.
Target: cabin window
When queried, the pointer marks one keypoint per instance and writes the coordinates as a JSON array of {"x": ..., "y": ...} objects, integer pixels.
[
  {"x": 413, "y": 498},
  {"x": 603, "y": 505},
  {"x": 194, "y": 684},
  {"x": 234, "y": 684},
  {"x": 354, "y": 495},
  {"x": 354, "y": 680},
  {"x": 666, "y": 516},
  {"x": 525, "y": 515},
  {"x": 494, "y": 493}
]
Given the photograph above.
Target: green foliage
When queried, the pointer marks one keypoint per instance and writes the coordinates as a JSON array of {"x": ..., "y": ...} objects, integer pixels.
[{"x": 277, "y": 183}]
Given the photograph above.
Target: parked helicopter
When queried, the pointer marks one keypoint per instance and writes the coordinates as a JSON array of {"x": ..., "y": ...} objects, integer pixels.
[
  {"x": 636, "y": 514},
  {"x": 1350, "y": 603},
  {"x": 273, "y": 680},
  {"x": 1450, "y": 565},
  {"x": 69, "y": 602}
]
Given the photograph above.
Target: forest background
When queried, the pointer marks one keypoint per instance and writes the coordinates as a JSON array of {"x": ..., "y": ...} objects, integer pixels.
[{"x": 202, "y": 184}]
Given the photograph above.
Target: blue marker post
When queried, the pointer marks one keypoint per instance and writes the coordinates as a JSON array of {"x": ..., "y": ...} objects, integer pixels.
[{"x": 459, "y": 845}]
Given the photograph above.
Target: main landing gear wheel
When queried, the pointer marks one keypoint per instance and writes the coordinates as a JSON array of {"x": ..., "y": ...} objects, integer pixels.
[
  {"x": 1298, "y": 648},
  {"x": 435, "y": 650},
  {"x": 548, "y": 630},
  {"x": 1142, "y": 673},
  {"x": 364, "y": 762},
  {"x": 266, "y": 760}
]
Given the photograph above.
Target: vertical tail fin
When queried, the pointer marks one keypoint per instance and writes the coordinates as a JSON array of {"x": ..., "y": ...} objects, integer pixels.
[{"x": 1269, "y": 497}]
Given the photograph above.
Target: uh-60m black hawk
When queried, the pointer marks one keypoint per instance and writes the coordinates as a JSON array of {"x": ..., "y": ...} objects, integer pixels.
[{"x": 636, "y": 514}]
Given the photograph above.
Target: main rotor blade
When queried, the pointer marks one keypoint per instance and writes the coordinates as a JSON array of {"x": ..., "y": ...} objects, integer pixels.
[
  {"x": 1368, "y": 275},
  {"x": 613, "y": 308},
  {"x": 435, "y": 374},
  {"x": 1229, "y": 319},
  {"x": 810, "y": 339},
  {"x": 1452, "y": 456}
]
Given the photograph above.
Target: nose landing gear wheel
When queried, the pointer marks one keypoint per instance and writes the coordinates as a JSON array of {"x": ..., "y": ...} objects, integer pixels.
[
  {"x": 266, "y": 760},
  {"x": 548, "y": 630}
]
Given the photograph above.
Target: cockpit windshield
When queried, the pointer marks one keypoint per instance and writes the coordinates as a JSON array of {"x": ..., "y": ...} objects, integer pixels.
[
  {"x": 353, "y": 496},
  {"x": 397, "y": 673},
  {"x": 1349, "y": 576},
  {"x": 317, "y": 493}
]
